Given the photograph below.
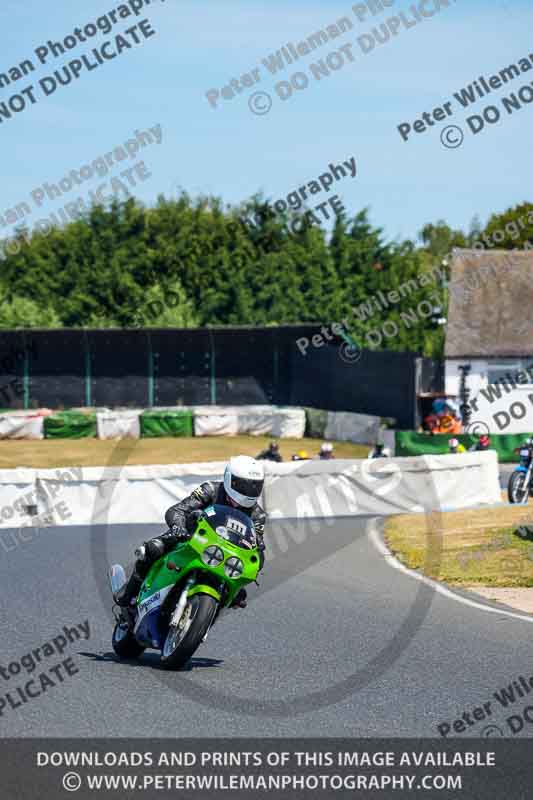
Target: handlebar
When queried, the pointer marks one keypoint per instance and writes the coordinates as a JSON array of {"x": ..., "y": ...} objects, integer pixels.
[{"x": 140, "y": 552}]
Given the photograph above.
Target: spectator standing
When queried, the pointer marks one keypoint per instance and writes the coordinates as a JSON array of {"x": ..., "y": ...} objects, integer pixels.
[{"x": 271, "y": 453}]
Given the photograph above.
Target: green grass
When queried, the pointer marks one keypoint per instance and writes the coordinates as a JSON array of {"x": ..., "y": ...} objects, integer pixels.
[
  {"x": 94, "y": 452},
  {"x": 471, "y": 548}
]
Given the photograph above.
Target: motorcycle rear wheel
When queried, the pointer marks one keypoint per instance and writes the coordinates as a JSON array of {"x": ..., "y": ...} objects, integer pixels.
[
  {"x": 517, "y": 492},
  {"x": 182, "y": 641}
]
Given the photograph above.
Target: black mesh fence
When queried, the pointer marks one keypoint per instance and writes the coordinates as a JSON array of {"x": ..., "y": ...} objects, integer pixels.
[
  {"x": 337, "y": 378},
  {"x": 289, "y": 365},
  {"x": 119, "y": 368},
  {"x": 183, "y": 364},
  {"x": 15, "y": 351},
  {"x": 56, "y": 369}
]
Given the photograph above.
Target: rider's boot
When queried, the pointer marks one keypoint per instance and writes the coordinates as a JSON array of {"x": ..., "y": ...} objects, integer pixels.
[
  {"x": 240, "y": 599},
  {"x": 125, "y": 596}
]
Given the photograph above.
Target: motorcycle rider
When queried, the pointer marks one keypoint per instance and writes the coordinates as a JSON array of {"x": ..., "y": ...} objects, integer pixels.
[
  {"x": 379, "y": 451},
  {"x": 270, "y": 454},
  {"x": 483, "y": 443},
  {"x": 326, "y": 451},
  {"x": 456, "y": 446},
  {"x": 241, "y": 488}
]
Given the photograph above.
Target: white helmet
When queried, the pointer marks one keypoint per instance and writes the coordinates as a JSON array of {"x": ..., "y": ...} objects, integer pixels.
[
  {"x": 243, "y": 480},
  {"x": 327, "y": 447}
]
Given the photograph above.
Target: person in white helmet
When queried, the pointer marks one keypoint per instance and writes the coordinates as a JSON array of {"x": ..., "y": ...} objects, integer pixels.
[
  {"x": 456, "y": 446},
  {"x": 326, "y": 451},
  {"x": 241, "y": 488}
]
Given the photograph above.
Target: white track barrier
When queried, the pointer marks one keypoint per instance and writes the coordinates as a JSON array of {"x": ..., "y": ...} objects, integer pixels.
[
  {"x": 276, "y": 421},
  {"x": 21, "y": 426},
  {"x": 17, "y": 492},
  {"x": 343, "y": 426},
  {"x": 288, "y": 423},
  {"x": 382, "y": 486},
  {"x": 118, "y": 424},
  {"x": 109, "y": 495}
]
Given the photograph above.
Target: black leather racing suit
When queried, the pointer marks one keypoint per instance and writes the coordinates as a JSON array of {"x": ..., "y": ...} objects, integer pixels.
[{"x": 207, "y": 494}]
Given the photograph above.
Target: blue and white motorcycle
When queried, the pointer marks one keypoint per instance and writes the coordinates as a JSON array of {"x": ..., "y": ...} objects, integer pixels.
[{"x": 520, "y": 482}]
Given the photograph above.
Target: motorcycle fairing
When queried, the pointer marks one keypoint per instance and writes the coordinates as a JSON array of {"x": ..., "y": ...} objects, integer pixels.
[{"x": 147, "y": 623}]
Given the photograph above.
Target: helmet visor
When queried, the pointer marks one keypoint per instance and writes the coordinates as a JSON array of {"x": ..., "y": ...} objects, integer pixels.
[{"x": 247, "y": 487}]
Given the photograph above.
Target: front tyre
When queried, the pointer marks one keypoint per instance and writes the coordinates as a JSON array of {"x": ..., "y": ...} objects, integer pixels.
[
  {"x": 185, "y": 638},
  {"x": 124, "y": 642},
  {"x": 517, "y": 490}
]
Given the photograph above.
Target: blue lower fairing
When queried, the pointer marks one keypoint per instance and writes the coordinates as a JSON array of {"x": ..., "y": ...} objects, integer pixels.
[{"x": 148, "y": 632}]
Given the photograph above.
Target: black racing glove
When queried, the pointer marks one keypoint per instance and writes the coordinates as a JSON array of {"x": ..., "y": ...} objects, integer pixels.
[
  {"x": 192, "y": 521},
  {"x": 155, "y": 548},
  {"x": 176, "y": 533},
  {"x": 150, "y": 550}
]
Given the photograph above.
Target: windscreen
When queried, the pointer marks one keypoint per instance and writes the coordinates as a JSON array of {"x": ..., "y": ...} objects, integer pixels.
[{"x": 232, "y": 525}]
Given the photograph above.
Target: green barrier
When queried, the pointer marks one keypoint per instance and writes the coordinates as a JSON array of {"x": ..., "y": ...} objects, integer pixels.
[
  {"x": 166, "y": 423},
  {"x": 409, "y": 443},
  {"x": 70, "y": 425},
  {"x": 315, "y": 423}
]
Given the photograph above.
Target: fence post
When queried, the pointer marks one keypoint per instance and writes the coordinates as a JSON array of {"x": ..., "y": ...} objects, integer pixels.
[
  {"x": 213, "y": 372},
  {"x": 87, "y": 354},
  {"x": 150, "y": 370},
  {"x": 26, "y": 376},
  {"x": 275, "y": 365}
]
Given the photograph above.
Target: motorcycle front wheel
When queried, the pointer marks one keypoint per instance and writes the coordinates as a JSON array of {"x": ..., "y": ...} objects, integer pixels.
[
  {"x": 517, "y": 491},
  {"x": 184, "y": 639}
]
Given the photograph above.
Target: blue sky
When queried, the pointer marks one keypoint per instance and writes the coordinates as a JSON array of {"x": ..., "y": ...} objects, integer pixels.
[{"x": 232, "y": 153}]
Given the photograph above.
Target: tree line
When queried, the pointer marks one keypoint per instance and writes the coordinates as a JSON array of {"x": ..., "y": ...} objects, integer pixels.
[{"x": 193, "y": 262}]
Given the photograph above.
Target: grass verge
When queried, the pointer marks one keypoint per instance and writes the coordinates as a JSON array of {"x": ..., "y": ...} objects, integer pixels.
[
  {"x": 479, "y": 548},
  {"x": 95, "y": 452}
]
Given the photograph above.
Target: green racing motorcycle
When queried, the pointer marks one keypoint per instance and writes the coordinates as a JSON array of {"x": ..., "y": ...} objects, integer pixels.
[{"x": 186, "y": 589}]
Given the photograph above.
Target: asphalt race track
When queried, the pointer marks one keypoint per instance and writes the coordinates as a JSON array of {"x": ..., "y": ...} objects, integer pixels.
[{"x": 335, "y": 643}]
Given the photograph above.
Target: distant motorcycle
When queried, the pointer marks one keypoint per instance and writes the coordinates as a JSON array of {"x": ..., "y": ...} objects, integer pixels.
[{"x": 520, "y": 482}]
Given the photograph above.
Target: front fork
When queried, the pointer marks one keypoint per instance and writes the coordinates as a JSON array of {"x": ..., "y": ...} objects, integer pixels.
[
  {"x": 182, "y": 603},
  {"x": 527, "y": 481}
]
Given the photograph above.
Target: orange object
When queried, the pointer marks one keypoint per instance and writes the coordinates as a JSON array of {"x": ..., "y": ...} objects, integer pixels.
[{"x": 449, "y": 424}]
